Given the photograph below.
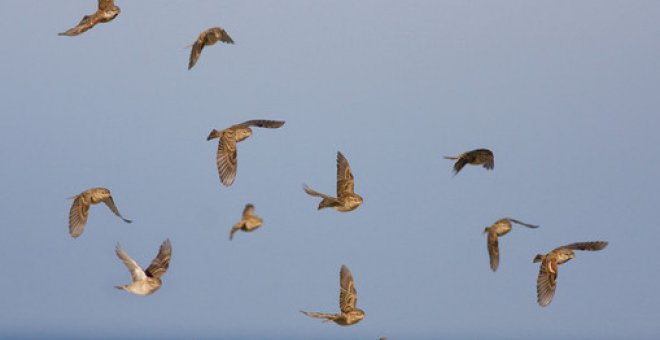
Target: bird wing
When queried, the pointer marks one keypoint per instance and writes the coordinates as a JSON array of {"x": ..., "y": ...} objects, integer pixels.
[
  {"x": 226, "y": 157},
  {"x": 78, "y": 216},
  {"x": 87, "y": 22},
  {"x": 111, "y": 204},
  {"x": 546, "y": 282},
  {"x": 106, "y": 4},
  {"x": 248, "y": 211},
  {"x": 223, "y": 35},
  {"x": 523, "y": 223},
  {"x": 493, "y": 250},
  {"x": 347, "y": 294},
  {"x": 489, "y": 162},
  {"x": 345, "y": 182},
  {"x": 264, "y": 123},
  {"x": 137, "y": 274},
  {"x": 590, "y": 246},
  {"x": 159, "y": 265},
  {"x": 196, "y": 50}
]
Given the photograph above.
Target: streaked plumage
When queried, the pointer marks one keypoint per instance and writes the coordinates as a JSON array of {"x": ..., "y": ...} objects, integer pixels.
[
  {"x": 146, "y": 282},
  {"x": 208, "y": 37},
  {"x": 226, "y": 156},
  {"x": 80, "y": 208},
  {"x": 249, "y": 222},
  {"x": 346, "y": 199},
  {"x": 499, "y": 228},
  {"x": 474, "y": 157},
  {"x": 546, "y": 283},
  {"x": 106, "y": 12},
  {"x": 349, "y": 314}
]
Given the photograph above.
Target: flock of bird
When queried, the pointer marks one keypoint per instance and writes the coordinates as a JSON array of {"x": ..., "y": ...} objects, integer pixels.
[{"x": 145, "y": 282}]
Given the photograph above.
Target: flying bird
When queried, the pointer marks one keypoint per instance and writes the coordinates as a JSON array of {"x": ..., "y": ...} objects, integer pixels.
[
  {"x": 226, "y": 156},
  {"x": 349, "y": 314},
  {"x": 249, "y": 222},
  {"x": 500, "y": 228},
  {"x": 80, "y": 208},
  {"x": 146, "y": 282},
  {"x": 474, "y": 157},
  {"x": 346, "y": 199},
  {"x": 106, "y": 12},
  {"x": 208, "y": 37},
  {"x": 546, "y": 283}
]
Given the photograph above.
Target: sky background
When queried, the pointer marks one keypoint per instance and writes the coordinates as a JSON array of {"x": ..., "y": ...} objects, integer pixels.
[{"x": 565, "y": 93}]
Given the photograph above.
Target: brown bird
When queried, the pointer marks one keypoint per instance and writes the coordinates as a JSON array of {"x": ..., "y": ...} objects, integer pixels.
[
  {"x": 499, "y": 228},
  {"x": 547, "y": 280},
  {"x": 146, "y": 282},
  {"x": 347, "y": 199},
  {"x": 80, "y": 208},
  {"x": 349, "y": 314},
  {"x": 474, "y": 157},
  {"x": 208, "y": 37},
  {"x": 249, "y": 222},
  {"x": 106, "y": 12},
  {"x": 226, "y": 156}
]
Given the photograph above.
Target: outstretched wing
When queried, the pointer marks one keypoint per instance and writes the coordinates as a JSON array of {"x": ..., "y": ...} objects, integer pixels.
[
  {"x": 159, "y": 265},
  {"x": 196, "y": 51},
  {"x": 78, "y": 216},
  {"x": 137, "y": 274},
  {"x": 222, "y": 35},
  {"x": 493, "y": 250},
  {"x": 226, "y": 157},
  {"x": 523, "y": 223},
  {"x": 347, "y": 294},
  {"x": 345, "y": 182},
  {"x": 87, "y": 22},
  {"x": 111, "y": 204},
  {"x": 546, "y": 282},
  {"x": 264, "y": 123},
  {"x": 590, "y": 246},
  {"x": 488, "y": 159}
]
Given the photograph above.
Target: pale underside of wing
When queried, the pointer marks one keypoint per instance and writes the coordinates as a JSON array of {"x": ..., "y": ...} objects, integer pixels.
[
  {"x": 137, "y": 274},
  {"x": 345, "y": 182},
  {"x": 493, "y": 250},
  {"x": 78, "y": 216},
  {"x": 546, "y": 283},
  {"x": 159, "y": 265},
  {"x": 226, "y": 157},
  {"x": 347, "y": 294}
]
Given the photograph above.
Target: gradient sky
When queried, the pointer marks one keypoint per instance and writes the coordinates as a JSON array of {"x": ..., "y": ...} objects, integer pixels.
[{"x": 564, "y": 92}]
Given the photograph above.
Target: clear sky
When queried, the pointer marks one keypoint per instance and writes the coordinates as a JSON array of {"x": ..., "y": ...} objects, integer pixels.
[{"x": 565, "y": 93}]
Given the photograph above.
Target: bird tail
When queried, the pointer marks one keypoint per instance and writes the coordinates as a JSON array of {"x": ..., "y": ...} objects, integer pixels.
[
  {"x": 214, "y": 134},
  {"x": 327, "y": 317},
  {"x": 233, "y": 231},
  {"x": 538, "y": 258},
  {"x": 326, "y": 202}
]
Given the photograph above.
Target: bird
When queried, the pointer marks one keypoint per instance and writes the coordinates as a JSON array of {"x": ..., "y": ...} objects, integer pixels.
[
  {"x": 499, "y": 228},
  {"x": 347, "y": 199},
  {"x": 106, "y": 12},
  {"x": 546, "y": 283},
  {"x": 249, "y": 222},
  {"x": 146, "y": 282},
  {"x": 208, "y": 37},
  {"x": 226, "y": 155},
  {"x": 80, "y": 208},
  {"x": 349, "y": 314},
  {"x": 474, "y": 157}
]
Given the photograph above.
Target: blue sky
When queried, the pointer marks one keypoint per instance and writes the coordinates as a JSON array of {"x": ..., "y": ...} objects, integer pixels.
[{"x": 565, "y": 93}]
